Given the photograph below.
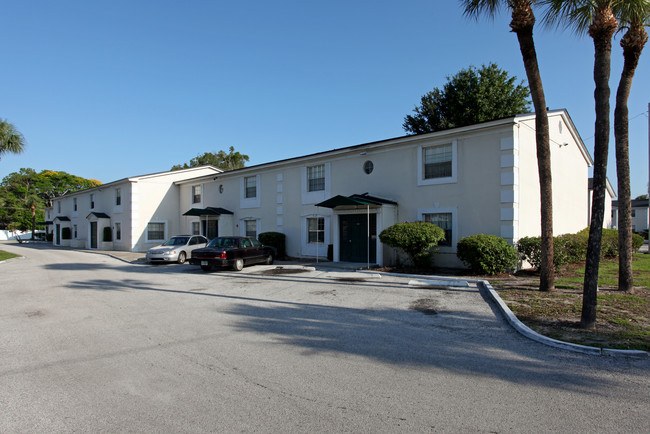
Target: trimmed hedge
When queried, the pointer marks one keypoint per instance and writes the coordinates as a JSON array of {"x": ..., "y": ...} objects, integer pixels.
[
  {"x": 416, "y": 239},
  {"x": 274, "y": 239},
  {"x": 487, "y": 254},
  {"x": 572, "y": 248}
]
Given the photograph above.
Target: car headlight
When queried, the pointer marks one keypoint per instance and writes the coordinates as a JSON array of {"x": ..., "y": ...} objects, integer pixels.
[{"x": 169, "y": 253}]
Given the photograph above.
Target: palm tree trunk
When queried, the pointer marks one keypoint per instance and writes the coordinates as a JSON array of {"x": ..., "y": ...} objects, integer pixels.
[
  {"x": 522, "y": 24},
  {"x": 601, "y": 31},
  {"x": 632, "y": 44}
]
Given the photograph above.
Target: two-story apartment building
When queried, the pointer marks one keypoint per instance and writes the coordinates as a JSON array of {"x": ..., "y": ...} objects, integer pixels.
[
  {"x": 476, "y": 179},
  {"x": 141, "y": 211},
  {"x": 640, "y": 215}
]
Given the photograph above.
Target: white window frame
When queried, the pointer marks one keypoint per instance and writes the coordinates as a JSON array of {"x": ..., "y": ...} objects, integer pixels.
[
  {"x": 315, "y": 249},
  {"x": 250, "y": 202},
  {"x": 242, "y": 225},
  {"x": 317, "y": 231},
  {"x": 146, "y": 231},
  {"x": 74, "y": 205},
  {"x": 454, "y": 164},
  {"x": 117, "y": 234},
  {"x": 312, "y": 197},
  {"x": 58, "y": 207},
  {"x": 194, "y": 188},
  {"x": 92, "y": 201},
  {"x": 195, "y": 222},
  {"x": 454, "y": 224},
  {"x": 118, "y": 197},
  {"x": 75, "y": 231}
]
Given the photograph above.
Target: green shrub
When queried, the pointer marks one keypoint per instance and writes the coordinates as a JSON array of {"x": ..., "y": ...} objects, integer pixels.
[
  {"x": 274, "y": 239},
  {"x": 108, "y": 234},
  {"x": 637, "y": 241},
  {"x": 66, "y": 233},
  {"x": 415, "y": 239},
  {"x": 530, "y": 250},
  {"x": 487, "y": 254}
]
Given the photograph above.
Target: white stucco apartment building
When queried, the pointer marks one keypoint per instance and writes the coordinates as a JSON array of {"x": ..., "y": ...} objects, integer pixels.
[
  {"x": 640, "y": 215},
  {"x": 141, "y": 211},
  {"x": 476, "y": 179}
]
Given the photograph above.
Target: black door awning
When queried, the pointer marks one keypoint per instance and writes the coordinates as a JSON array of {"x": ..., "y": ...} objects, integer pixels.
[
  {"x": 354, "y": 201},
  {"x": 207, "y": 211},
  {"x": 99, "y": 215}
]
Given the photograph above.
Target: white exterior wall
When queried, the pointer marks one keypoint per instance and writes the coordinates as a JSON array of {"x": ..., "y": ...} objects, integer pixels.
[{"x": 570, "y": 180}]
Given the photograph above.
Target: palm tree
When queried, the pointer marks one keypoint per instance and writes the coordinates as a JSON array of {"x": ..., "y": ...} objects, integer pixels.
[
  {"x": 522, "y": 23},
  {"x": 10, "y": 139},
  {"x": 598, "y": 18},
  {"x": 634, "y": 16}
]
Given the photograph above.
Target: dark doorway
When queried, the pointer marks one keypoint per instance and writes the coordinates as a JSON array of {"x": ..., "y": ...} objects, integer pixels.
[
  {"x": 210, "y": 228},
  {"x": 353, "y": 238},
  {"x": 93, "y": 235}
]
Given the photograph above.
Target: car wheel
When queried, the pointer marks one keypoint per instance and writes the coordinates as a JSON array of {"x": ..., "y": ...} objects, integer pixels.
[
  {"x": 181, "y": 257},
  {"x": 206, "y": 267},
  {"x": 269, "y": 259},
  {"x": 238, "y": 265}
]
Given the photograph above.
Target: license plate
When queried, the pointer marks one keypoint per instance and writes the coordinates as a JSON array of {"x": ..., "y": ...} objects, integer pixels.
[{"x": 204, "y": 262}]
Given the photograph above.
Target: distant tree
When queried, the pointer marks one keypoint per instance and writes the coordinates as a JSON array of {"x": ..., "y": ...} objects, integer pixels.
[
  {"x": 222, "y": 160},
  {"x": 471, "y": 96},
  {"x": 26, "y": 193},
  {"x": 643, "y": 196},
  {"x": 10, "y": 139}
]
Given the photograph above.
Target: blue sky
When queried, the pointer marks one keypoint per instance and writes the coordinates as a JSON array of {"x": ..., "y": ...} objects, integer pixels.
[{"x": 111, "y": 89}]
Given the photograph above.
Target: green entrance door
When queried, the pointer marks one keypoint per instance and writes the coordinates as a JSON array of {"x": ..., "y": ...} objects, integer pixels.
[
  {"x": 93, "y": 235},
  {"x": 353, "y": 238}
]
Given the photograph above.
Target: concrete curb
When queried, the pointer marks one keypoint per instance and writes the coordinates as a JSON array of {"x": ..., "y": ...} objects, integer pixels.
[
  {"x": 518, "y": 325},
  {"x": 524, "y": 330}
]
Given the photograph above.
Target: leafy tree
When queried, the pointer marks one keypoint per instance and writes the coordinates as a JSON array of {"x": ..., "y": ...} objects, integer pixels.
[
  {"x": 471, "y": 96},
  {"x": 22, "y": 190},
  {"x": 598, "y": 19},
  {"x": 415, "y": 239},
  {"x": 641, "y": 197},
  {"x": 522, "y": 23},
  {"x": 230, "y": 161},
  {"x": 10, "y": 139},
  {"x": 634, "y": 16}
]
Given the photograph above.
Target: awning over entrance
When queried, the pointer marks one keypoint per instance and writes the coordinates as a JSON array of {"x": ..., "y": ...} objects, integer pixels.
[
  {"x": 62, "y": 218},
  {"x": 207, "y": 211},
  {"x": 356, "y": 200},
  {"x": 99, "y": 215}
]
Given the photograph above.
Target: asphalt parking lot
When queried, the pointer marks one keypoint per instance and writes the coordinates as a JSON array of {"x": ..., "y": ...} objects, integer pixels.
[{"x": 93, "y": 343}]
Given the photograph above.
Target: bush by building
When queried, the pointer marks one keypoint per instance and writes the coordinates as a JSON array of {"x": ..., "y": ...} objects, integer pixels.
[
  {"x": 416, "y": 239},
  {"x": 487, "y": 254}
]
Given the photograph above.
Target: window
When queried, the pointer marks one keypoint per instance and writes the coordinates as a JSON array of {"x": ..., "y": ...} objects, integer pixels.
[
  {"x": 58, "y": 207},
  {"x": 316, "y": 230},
  {"x": 74, "y": 204},
  {"x": 92, "y": 201},
  {"x": 368, "y": 167},
  {"x": 250, "y": 187},
  {"x": 437, "y": 161},
  {"x": 316, "y": 178},
  {"x": 444, "y": 221},
  {"x": 251, "y": 228},
  {"x": 74, "y": 231},
  {"x": 118, "y": 231},
  {"x": 155, "y": 231},
  {"x": 196, "y": 228},
  {"x": 196, "y": 194},
  {"x": 118, "y": 196},
  {"x": 633, "y": 213}
]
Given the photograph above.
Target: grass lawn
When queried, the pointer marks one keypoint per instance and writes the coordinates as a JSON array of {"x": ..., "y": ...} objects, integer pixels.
[
  {"x": 6, "y": 255},
  {"x": 623, "y": 320}
]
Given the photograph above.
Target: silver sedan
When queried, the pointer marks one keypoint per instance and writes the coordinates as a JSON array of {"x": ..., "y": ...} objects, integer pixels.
[{"x": 176, "y": 249}]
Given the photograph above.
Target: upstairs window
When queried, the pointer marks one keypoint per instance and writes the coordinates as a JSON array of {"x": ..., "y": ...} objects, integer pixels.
[
  {"x": 437, "y": 161},
  {"x": 92, "y": 201},
  {"x": 196, "y": 194},
  {"x": 118, "y": 196},
  {"x": 250, "y": 187},
  {"x": 316, "y": 178},
  {"x": 58, "y": 207},
  {"x": 74, "y": 204}
]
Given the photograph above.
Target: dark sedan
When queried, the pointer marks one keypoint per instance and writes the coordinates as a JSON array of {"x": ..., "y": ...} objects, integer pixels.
[{"x": 232, "y": 252}]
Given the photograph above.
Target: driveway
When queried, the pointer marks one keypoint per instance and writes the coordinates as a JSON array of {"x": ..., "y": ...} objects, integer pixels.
[{"x": 90, "y": 343}]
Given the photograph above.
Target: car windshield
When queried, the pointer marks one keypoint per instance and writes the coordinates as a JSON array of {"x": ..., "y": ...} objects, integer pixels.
[
  {"x": 176, "y": 241},
  {"x": 223, "y": 242}
]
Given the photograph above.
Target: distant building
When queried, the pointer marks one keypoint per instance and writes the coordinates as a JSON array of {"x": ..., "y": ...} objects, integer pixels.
[{"x": 640, "y": 218}]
